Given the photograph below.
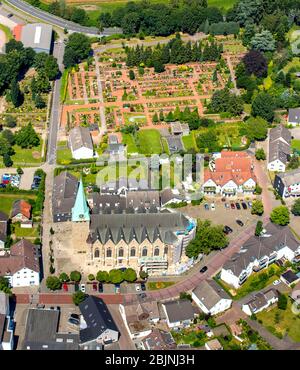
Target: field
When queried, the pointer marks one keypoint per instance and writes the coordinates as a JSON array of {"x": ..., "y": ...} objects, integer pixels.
[
  {"x": 149, "y": 142},
  {"x": 283, "y": 321},
  {"x": 296, "y": 144}
]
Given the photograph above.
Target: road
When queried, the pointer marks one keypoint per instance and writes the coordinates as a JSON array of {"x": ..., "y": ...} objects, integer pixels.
[
  {"x": 54, "y": 122},
  {"x": 60, "y": 22}
]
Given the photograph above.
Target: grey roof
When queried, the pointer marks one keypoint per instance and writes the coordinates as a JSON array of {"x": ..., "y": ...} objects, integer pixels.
[
  {"x": 130, "y": 226},
  {"x": 294, "y": 115},
  {"x": 80, "y": 137},
  {"x": 37, "y": 35},
  {"x": 290, "y": 178},
  {"x": 97, "y": 318},
  {"x": 279, "y": 150},
  {"x": 64, "y": 192},
  {"x": 261, "y": 299},
  {"x": 41, "y": 332},
  {"x": 210, "y": 293},
  {"x": 290, "y": 276},
  {"x": 3, "y": 217},
  {"x": 113, "y": 139},
  {"x": 4, "y": 303},
  {"x": 166, "y": 195},
  {"x": 179, "y": 310},
  {"x": 276, "y": 238},
  {"x": 280, "y": 132}
]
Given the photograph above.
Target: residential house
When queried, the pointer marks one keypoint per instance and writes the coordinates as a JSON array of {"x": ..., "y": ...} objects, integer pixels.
[
  {"x": 97, "y": 325},
  {"x": 65, "y": 188},
  {"x": 3, "y": 229},
  {"x": 213, "y": 345},
  {"x": 138, "y": 318},
  {"x": 179, "y": 129},
  {"x": 21, "y": 212},
  {"x": 158, "y": 340},
  {"x": 179, "y": 313},
  {"x": 260, "y": 301},
  {"x": 279, "y": 148},
  {"x": 6, "y": 325},
  {"x": 287, "y": 184},
  {"x": 81, "y": 143},
  {"x": 290, "y": 278},
  {"x": 258, "y": 252},
  {"x": 21, "y": 264},
  {"x": 41, "y": 332},
  {"x": 294, "y": 116},
  {"x": 211, "y": 298},
  {"x": 230, "y": 174}
]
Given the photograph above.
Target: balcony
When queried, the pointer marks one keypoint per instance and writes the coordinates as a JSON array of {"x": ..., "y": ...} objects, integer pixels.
[{"x": 209, "y": 189}]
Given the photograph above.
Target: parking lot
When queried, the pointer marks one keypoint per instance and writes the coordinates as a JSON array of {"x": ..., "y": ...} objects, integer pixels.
[
  {"x": 221, "y": 215},
  {"x": 25, "y": 180}
]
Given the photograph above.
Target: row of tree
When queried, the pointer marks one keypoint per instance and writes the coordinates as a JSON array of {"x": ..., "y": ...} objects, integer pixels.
[{"x": 176, "y": 52}]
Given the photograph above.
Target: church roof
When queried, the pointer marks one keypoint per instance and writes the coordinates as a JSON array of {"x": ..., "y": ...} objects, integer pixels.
[{"x": 80, "y": 211}]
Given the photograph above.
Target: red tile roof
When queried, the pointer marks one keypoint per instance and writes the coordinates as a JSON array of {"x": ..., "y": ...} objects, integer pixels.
[
  {"x": 23, "y": 207},
  {"x": 17, "y": 32}
]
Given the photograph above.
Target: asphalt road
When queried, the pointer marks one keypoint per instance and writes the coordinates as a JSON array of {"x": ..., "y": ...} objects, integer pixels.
[
  {"x": 58, "y": 53},
  {"x": 57, "y": 21}
]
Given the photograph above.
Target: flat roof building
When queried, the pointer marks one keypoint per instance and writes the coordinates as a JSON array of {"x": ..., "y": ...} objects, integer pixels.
[{"x": 37, "y": 36}]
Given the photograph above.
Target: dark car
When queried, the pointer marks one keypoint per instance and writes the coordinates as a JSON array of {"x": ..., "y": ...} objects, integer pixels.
[
  {"x": 227, "y": 230},
  {"x": 73, "y": 321},
  {"x": 76, "y": 286},
  {"x": 143, "y": 286},
  {"x": 9, "y": 15},
  {"x": 95, "y": 288},
  {"x": 142, "y": 295},
  {"x": 203, "y": 269},
  {"x": 2, "y": 185},
  {"x": 239, "y": 222},
  {"x": 244, "y": 205},
  {"x": 100, "y": 288},
  {"x": 238, "y": 206},
  {"x": 232, "y": 205},
  {"x": 75, "y": 316}
]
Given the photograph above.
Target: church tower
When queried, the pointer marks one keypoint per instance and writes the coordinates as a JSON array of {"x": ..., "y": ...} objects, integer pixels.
[{"x": 80, "y": 211}]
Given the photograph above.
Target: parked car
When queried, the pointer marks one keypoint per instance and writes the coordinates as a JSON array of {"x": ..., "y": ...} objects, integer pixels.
[
  {"x": 238, "y": 206},
  {"x": 117, "y": 288},
  {"x": 142, "y": 295},
  {"x": 240, "y": 223},
  {"x": 227, "y": 206},
  {"x": 82, "y": 288},
  {"x": 213, "y": 207},
  {"x": 250, "y": 204},
  {"x": 65, "y": 287},
  {"x": 76, "y": 287},
  {"x": 232, "y": 205},
  {"x": 276, "y": 282},
  {"x": 137, "y": 287},
  {"x": 206, "y": 207},
  {"x": 100, "y": 288},
  {"x": 203, "y": 269},
  {"x": 75, "y": 316},
  {"x": 9, "y": 15},
  {"x": 95, "y": 288},
  {"x": 244, "y": 205},
  {"x": 227, "y": 229},
  {"x": 73, "y": 321},
  {"x": 2, "y": 186},
  {"x": 143, "y": 286}
]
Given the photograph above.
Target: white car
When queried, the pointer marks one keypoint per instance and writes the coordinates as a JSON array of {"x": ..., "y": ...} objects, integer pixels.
[
  {"x": 82, "y": 288},
  {"x": 276, "y": 282},
  {"x": 137, "y": 287},
  {"x": 212, "y": 207}
]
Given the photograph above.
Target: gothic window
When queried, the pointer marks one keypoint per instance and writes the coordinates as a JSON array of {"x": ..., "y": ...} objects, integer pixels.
[
  {"x": 132, "y": 252},
  {"x": 121, "y": 252},
  {"x": 144, "y": 252},
  {"x": 166, "y": 250},
  {"x": 108, "y": 253},
  {"x": 156, "y": 251},
  {"x": 97, "y": 253}
]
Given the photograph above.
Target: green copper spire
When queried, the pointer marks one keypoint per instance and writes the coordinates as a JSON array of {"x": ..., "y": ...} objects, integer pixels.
[{"x": 80, "y": 211}]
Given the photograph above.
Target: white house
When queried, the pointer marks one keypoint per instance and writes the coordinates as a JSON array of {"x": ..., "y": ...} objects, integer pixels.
[
  {"x": 139, "y": 317},
  {"x": 211, "y": 298},
  {"x": 258, "y": 253},
  {"x": 260, "y": 302},
  {"x": 294, "y": 116},
  {"x": 21, "y": 264},
  {"x": 81, "y": 143},
  {"x": 279, "y": 148},
  {"x": 179, "y": 313},
  {"x": 6, "y": 329},
  {"x": 288, "y": 184}
]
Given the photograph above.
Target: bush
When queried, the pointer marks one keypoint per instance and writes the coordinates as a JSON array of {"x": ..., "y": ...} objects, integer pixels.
[
  {"x": 91, "y": 277},
  {"x": 53, "y": 283},
  {"x": 75, "y": 276},
  {"x": 63, "y": 277},
  {"x": 78, "y": 297},
  {"x": 282, "y": 302}
]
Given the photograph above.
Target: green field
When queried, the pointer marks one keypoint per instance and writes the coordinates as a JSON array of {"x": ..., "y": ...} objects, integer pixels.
[
  {"x": 149, "y": 141},
  {"x": 129, "y": 141},
  {"x": 24, "y": 232},
  {"x": 296, "y": 144},
  {"x": 189, "y": 142}
]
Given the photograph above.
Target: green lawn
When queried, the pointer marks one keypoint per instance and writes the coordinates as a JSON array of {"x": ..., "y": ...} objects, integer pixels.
[
  {"x": 285, "y": 323},
  {"x": 188, "y": 142},
  {"x": 63, "y": 156},
  {"x": 7, "y": 200},
  {"x": 296, "y": 144},
  {"x": 129, "y": 141},
  {"x": 28, "y": 155},
  {"x": 24, "y": 232},
  {"x": 159, "y": 285},
  {"x": 149, "y": 141},
  {"x": 7, "y": 32}
]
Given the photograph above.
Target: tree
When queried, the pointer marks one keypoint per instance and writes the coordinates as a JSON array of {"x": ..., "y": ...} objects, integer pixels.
[
  {"x": 7, "y": 161},
  {"x": 12, "y": 45},
  {"x": 263, "y": 106},
  {"x": 75, "y": 276},
  {"x": 27, "y": 137},
  {"x": 78, "y": 297},
  {"x": 263, "y": 41},
  {"x": 185, "y": 295},
  {"x": 255, "y": 63},
  {"x": 155, "y": 118},
  {"x": 116, "y": 276},
  {"x": 256, "y": 128},
  {"x": 4, "y": 285},
  {"x": 258, "y": 189},
  {"x": 143, "y": 274},
  {"x": 53, "y": 283},
  {"x": 51, "y": 67},
  {"x": 16, "y": 95},
  {"x": 260, "y": 154},
  {"x": 9, "y": 136},
  {"x": 20, "y": 171},
  {"x": 63, "y": 277},
  {"x": 257, "y": 208},
  {"x": 131, "y": 74},
  {"x": 129, "y": 275},
  {"x": 280, "y": 215},
  {"x": 102, "y": 276},
  {"x": 296, "y": 208},
  {"x": 39, "y": 102},
  {"x": 259, "y": 228},
  {"x": 91, "y": 277},
  {"x": 10, "y": 121},
  {"x": 282, "y": 301},
  {"x": 77, "y": 49},
  {"x": 208, "y": 140},
  {"x": 225, "y": 101}
]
